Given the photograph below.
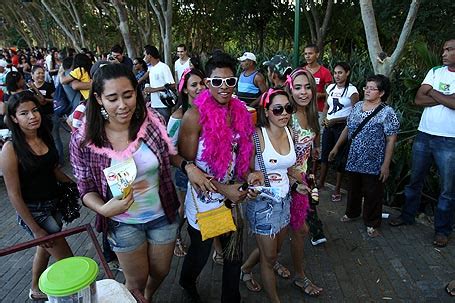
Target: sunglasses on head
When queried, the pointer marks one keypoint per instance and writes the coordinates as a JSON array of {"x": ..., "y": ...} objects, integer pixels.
[
  {"x": 217, "y": 82},
  {"x": 278, "y": 110}
]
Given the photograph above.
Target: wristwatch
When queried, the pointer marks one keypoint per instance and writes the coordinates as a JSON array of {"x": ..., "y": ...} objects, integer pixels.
[{"x": 184, "y": 164}]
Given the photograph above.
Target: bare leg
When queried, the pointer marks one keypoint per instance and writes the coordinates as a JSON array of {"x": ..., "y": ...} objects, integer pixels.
[
  {"x": 338, "y": 184},
  {"x": 268, "y": 248},
  {"x": 323, "y": 175},
  {"x": 251, "y": 261},
  {"x": 40, "y": 262},
  {"x": 59, "y": 250},
  {"x": 160, "y": 257},
  {"x": 297, "y": 244},
  {"x": 135, "y": 265}
]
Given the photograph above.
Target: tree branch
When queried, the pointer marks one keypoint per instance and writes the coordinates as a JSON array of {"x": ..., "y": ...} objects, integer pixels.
[{"x": 406, "y": 31}]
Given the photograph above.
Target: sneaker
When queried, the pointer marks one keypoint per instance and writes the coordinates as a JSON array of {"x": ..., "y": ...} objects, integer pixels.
[
  {"x": 114, "y": 265},
  {"x": 318, "y": 240}
]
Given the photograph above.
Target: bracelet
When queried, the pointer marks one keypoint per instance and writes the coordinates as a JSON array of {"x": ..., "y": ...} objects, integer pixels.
[{"x": 183, "y": 166}]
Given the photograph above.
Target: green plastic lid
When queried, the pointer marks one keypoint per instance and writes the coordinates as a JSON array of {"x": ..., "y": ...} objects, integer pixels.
[{"x": 68, "y": 276}]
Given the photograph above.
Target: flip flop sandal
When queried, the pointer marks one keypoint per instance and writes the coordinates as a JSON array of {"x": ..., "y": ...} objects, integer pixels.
[
  {"x": 180, "y": 248},
  {"x": 250, "y": 283},
  {"x": 217, "y": 257},
  {"x": 304, "y": 283},
  {"x": 450, "y": 288},
  {"x": 36, "y": 295},
  {"x": 281, "y": 270},
  {"x": 336, "y": 197}
]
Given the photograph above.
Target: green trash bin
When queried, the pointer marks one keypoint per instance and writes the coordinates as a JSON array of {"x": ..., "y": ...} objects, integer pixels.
[{"x": 71, "y": 280}]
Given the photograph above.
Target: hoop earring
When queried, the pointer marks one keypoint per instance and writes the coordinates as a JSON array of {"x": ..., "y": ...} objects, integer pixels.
[{"x": 104, "y": 113}]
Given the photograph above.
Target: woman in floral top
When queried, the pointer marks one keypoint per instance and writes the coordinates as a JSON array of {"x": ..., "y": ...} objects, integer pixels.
[{"x": 370, "y": 153}]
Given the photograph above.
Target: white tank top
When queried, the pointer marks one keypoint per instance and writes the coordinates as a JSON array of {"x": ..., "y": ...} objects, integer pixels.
[
  {"x": 276, "y": 164},
  {"x": 212, "y": 200}
]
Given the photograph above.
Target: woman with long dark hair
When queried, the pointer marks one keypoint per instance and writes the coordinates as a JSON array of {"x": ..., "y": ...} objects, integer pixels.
[
  {"x": 141, "y": 223},
  {"x": 341, "y": 97},
  {"x": 29, "y": 163}
]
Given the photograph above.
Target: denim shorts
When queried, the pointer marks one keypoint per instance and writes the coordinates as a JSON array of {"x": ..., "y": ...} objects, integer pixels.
[
  {"x": 45, "y": 214},
  {"x": 124, "y": 237},
  {"x": 268, "y": 217},
  {"x": 180, "y": 179}
]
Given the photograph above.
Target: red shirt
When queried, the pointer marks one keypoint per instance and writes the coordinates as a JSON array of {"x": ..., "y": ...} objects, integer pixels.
[{"x": 322, "y": 77}]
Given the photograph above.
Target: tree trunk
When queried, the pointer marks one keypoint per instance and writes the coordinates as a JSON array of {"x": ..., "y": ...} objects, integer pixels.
[
  {"x": 67, "y": 32},
  {"x": 123, "y": 27},
  {"x": 382, "y": 63},
  {"x": 163, "y": 12}
]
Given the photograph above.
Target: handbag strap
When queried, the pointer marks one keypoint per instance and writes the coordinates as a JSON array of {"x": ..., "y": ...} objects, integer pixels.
[
  {"x": 365, "y": 121},
  {"x": 257, "y": 145},
  {"x": 194, "y": 198}
]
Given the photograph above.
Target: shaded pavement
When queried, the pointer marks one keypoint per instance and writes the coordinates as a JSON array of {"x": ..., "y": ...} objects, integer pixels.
[{"x": 401, "y": 265}]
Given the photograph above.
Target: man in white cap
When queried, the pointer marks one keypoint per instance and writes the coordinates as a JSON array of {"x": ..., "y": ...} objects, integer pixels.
[
  {"x": 3, "y": 71},
  {"x": 251, "y": 82}
]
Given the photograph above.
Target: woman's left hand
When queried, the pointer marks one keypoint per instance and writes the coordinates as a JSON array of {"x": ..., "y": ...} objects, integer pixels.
[
  {"x": 200, "y": 180},
  {"x": 384, "y": 173}
]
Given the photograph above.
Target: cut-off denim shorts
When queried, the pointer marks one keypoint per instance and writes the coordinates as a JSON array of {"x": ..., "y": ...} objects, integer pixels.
[
  {"x": 45, "y": 215},
  {"x": 180, "y": 179},
  {"x": 124, "y": 237},
  {"x": 268, "y": 217}
]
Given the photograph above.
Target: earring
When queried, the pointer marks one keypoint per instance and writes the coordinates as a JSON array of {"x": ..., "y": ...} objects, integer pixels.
[{"x": 104, "y": 113}]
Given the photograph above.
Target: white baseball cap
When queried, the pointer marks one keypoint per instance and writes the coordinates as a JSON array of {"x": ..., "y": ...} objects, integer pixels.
[{"x": 247, "y": 56}]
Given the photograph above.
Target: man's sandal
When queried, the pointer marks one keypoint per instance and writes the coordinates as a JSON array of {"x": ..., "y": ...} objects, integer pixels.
[
  {"x": 250, "y": 283},
  {"x": 281, "y": 270},
  {"x": 307, "y": 287},
  {"x": 217, "y": 257},
  {"x": 180, "y": 248}
]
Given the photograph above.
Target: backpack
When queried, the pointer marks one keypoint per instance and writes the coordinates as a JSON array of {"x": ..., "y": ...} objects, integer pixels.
[{"x": 62, "y": 105}]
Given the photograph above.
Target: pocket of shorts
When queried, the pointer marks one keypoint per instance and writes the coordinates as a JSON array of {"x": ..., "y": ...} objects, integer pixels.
[{"x": 261, "y": 217}]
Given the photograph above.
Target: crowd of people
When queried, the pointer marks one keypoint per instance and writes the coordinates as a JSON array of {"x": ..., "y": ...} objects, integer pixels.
[{"x": 208, "y": 143}]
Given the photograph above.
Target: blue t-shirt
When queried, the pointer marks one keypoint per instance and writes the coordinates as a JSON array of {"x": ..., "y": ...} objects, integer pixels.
[{"x": 368, "y": 147}]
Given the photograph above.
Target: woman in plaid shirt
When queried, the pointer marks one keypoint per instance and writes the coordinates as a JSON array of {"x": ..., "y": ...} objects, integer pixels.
[{"x": 141, "y": 226}]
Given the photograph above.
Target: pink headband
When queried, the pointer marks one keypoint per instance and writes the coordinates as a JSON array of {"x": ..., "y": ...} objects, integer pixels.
[
  {"x": 289, "y": 82},
  {"x": 182, "y": 79},
  {"x": 265, "y": 98}
]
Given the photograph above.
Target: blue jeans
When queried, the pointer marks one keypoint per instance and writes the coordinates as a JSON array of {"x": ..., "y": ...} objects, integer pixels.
[{"x": 425, "y": 149}]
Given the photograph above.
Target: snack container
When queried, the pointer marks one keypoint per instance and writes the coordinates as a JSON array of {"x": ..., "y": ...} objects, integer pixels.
[{"x": 71, "y": 280}]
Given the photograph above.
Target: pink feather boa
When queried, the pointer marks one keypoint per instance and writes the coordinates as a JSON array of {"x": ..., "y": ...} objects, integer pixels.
[
  {"x": 151, "y": 118},
  {"x": 218, "y": 136},
  {"x": 300, "y": 205}
]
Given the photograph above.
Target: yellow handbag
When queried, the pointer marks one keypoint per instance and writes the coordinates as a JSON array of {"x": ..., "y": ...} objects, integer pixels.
[{"x": 214, "y": 222}]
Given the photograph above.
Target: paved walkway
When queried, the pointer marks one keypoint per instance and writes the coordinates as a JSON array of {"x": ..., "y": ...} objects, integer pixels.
[{"x": 400, "y": 266}]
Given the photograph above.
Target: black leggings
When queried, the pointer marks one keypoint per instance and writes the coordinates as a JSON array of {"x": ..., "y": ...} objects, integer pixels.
[{"x": 196, "y": 258}]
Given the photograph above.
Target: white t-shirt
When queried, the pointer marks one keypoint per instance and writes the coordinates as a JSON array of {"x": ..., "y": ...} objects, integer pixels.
[
  {"x": 340, "y": 105},
  {"x": 439, "y": 120},
  {"x": 159, "y": 75},
  {"x": 179, "y": 67}
]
